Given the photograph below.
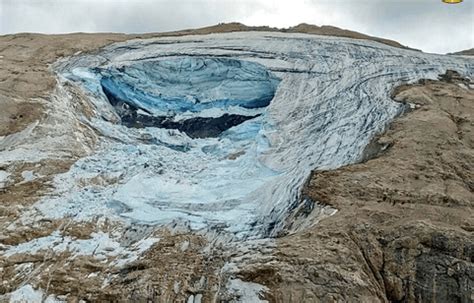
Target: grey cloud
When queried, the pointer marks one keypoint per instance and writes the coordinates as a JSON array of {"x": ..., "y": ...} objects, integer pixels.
[{"x": 426, "y": 24}]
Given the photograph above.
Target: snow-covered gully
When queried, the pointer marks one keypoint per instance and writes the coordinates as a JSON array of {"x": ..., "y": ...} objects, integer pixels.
[{"x": 217, "y": 134}]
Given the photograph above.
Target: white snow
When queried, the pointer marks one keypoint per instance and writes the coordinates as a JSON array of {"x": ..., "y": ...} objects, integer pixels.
[
  {"x": 27, "y": 294},
  {"x": 100, "y": 245},
  {"x": 28, "y": 175},
  {"x": 53, "y": 299}
]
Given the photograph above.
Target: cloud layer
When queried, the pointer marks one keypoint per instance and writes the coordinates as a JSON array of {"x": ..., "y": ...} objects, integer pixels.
[{"x": 429, "y": 25}]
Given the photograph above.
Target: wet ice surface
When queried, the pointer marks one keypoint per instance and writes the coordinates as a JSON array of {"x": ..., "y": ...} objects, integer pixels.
[{"x": 314, "y": 102}]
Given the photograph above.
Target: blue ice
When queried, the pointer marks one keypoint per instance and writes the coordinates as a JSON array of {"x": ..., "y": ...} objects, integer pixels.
[{"x": 192, "y": 84}]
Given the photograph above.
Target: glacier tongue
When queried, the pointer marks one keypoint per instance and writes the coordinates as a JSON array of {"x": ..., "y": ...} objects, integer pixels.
[{"x": 311, "y": 102}]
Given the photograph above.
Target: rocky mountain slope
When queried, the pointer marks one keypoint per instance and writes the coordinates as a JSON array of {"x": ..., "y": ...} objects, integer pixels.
[
  {"x": 466, "y": 52},
  {"x": 223, "y": 164}
]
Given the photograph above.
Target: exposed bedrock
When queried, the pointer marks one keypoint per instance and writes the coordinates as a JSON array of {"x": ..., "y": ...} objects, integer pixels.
[{"x": 198, "y": 127}]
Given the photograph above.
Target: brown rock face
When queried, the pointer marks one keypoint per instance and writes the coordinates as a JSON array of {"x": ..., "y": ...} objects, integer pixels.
[{"x": 466, "y": 52}]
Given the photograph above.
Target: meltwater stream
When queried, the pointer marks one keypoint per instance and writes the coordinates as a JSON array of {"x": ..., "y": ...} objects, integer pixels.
[{"x": 219, "y": 132}]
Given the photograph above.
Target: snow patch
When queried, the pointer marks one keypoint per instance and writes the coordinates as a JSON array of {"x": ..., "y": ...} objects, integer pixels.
[
  {"x": 26, "y": 293},
  {"x": 247, "y": 292},
  {"x": 28, "y": 175},
  {"x": 3, "y": 178},
  {"x": 100, "y": 245}
]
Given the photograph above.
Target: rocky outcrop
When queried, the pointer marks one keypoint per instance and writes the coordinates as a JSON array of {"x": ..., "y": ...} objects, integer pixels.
[{"x": 466, "y": 52}]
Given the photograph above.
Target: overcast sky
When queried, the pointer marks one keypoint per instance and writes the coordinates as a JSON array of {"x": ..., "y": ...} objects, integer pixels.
[{"x": 429, "y": 25}]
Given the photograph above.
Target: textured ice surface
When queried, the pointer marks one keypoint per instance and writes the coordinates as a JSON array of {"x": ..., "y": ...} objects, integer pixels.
[
  {"x": 330, "y": 96},
  {"x": 27, "y": 294}
]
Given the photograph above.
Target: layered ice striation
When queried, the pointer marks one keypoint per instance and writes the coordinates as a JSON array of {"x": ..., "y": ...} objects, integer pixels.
[{"x": 220, "y": 132}]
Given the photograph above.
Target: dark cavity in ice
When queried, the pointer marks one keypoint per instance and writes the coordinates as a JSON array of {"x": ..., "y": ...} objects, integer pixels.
[{"x": 154, "y": 93}]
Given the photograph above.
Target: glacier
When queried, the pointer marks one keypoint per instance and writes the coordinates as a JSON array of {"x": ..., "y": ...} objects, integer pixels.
[{"x": 219, "y": 132}]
